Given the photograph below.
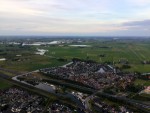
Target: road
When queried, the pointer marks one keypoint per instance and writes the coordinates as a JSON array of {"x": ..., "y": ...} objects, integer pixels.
[
  {"x": 87, "y": 104},
  {"x": 132, "y": 102},
  {"x": 135, "y": 103},
  {"x": 77, "y": 101}
]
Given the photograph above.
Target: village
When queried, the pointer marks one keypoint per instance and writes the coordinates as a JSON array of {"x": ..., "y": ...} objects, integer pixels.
[
  {"x": 74, "y": 56},
  {"x": 70, "y": 84},
  {"x": 103, "y": 107},
  {"x": 97, "y": 76},
  {"x": 15, "y": 100}
]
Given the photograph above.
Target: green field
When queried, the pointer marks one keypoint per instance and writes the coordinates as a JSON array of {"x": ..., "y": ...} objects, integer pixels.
[
  {"x": 142, "y": 82},
  {"x": 28, "y": 61},
  {"x": 4, "y": 84},
  {"x": 133, "y": 51}
]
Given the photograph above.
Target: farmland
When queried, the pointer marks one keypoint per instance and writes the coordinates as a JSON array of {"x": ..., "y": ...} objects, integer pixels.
[
  {"x": 112, "y": 52},
  {"x": 18, "y": 63}
]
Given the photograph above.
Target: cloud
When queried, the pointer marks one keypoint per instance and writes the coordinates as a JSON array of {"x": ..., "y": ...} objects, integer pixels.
[
  {"x": 136, "y": 28},
  {"x": 72, "y": 16},
  {"x": 140, "y": 2},
  {"x": 143, "y": 23}
]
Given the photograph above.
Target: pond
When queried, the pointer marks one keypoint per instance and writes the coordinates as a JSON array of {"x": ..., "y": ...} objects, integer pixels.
[{"x": 47, "y": 87}]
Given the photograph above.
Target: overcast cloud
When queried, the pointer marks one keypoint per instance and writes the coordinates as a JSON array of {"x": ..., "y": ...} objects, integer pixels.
[{"x": 75, "y": 17}]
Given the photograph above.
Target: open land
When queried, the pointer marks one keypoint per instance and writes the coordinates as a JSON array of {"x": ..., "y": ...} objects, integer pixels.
[
  {"x": 101, "y": 51},
  {"x": 87, "y": 75}
]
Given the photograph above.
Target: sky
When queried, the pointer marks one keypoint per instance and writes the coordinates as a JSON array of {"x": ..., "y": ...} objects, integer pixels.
[{"x": 75, "y": 17}]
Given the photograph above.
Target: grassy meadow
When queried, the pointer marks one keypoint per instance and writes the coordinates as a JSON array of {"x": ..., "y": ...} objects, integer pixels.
[
  {"x": 4, "y": 84},
  {"x": 132, "y": 51}
]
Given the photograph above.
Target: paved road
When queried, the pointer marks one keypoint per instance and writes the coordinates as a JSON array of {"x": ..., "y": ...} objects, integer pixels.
[
  {"x": 136, "y": 103},
  {"x": 87, "y": 106},
  {"x": 78, "y": 102},
  {"x": 132, "y": 102}
]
